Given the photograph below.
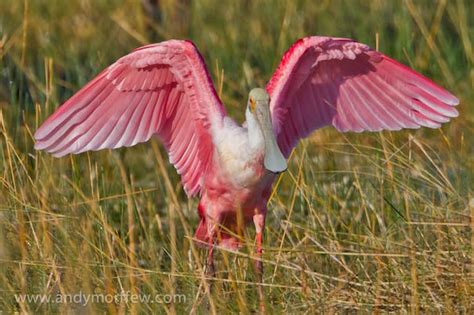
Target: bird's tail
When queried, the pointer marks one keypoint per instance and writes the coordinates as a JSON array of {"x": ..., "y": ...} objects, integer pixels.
[
  {"x": 224, "y": 239},
  {"x": 201, "y": 237}
]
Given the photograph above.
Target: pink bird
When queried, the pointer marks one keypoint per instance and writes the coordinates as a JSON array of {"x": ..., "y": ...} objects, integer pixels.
[{"x": 165, "y": 89}]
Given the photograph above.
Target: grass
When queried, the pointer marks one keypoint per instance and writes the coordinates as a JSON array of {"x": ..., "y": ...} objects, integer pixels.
[{"x": 359, "y": 223}]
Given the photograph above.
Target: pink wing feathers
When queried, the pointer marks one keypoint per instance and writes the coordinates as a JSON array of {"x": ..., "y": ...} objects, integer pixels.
[
  {"x": 323, "y": 80},
  {"x": 161, "y": 89}
]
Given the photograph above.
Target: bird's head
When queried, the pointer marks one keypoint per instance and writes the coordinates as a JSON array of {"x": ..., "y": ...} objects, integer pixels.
[{"x": 259, "y": 106}]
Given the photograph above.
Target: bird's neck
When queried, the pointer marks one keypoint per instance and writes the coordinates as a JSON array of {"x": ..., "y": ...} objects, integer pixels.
[{"x": 254, "y": 131}]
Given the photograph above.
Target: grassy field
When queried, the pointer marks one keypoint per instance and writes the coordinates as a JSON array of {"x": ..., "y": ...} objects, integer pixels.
[{"x": 359, "y": 223}]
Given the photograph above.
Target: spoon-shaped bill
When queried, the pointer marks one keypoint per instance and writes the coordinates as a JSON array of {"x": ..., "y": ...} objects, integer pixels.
[{"x": 274, "y": 161}]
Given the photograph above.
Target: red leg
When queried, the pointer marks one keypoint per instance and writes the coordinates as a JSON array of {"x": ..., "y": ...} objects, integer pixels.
[
  {"x": 210, "y": 271},
  {"x": 259, "y": 221},
  {"x": 258, "y": 251}
]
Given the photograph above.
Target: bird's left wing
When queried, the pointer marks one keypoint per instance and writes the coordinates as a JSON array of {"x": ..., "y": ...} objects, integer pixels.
[
  {"x": 161, "y": 89},
  {"x": 336, "y": 81}
]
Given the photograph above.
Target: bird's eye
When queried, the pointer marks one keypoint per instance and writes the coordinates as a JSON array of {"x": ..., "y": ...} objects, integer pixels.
[{"x": 252, "y": 105}]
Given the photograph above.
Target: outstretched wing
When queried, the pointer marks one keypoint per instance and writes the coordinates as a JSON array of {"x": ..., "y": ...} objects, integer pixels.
[
  {"x": 163, "y": 89},
  {"x": 323, "y": 80}
]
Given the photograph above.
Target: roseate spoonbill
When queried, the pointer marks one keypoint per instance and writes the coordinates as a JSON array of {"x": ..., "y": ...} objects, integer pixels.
[{"x": 165, "y": 89}]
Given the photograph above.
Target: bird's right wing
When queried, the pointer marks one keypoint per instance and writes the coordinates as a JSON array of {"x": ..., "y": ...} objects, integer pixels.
[
  {"x": 336, "y": 81},
  {"x": 163, "y": 89}
]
